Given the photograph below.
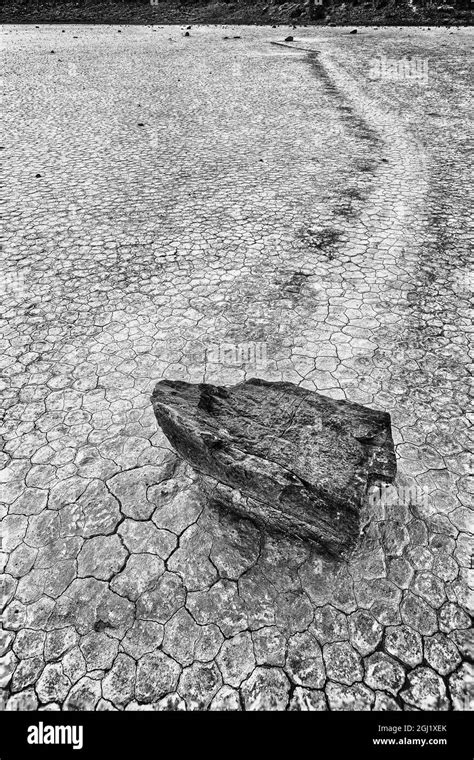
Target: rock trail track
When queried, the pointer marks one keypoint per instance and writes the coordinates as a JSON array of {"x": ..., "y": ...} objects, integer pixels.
[{"x": 203, "y": 192}]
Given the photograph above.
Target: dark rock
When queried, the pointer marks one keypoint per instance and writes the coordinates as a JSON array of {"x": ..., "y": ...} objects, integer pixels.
[
  {"x": 289, "y": 458},
  {"x": 289, "y": 38},
  {"x": 354, "y": 31}
]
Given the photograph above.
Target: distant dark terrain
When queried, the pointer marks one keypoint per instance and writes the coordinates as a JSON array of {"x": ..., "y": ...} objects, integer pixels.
[{"x": 375, "y": 12}]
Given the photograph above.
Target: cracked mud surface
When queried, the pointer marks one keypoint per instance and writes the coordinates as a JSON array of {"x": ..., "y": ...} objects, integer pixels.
[{"x": 198, "y": 192}]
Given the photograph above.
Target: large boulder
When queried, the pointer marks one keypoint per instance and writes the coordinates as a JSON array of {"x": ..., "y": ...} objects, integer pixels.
[{"x": 284, "y": 456}]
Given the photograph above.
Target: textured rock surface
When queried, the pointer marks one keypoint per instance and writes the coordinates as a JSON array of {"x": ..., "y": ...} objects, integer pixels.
[
  {"x": 322, "y": 213},
  {"x": 299, "y": 462}
]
